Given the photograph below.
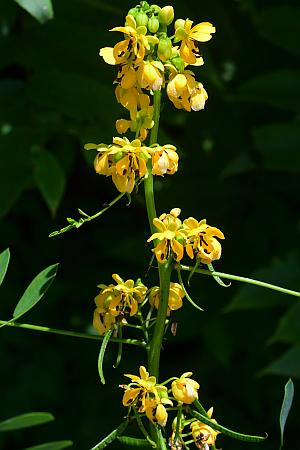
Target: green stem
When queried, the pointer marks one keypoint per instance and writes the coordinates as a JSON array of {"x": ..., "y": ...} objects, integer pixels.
[
  {"x": 148, "y": 182},
  {"x": 164, "y": 270},
  {"x": 70, "y": 333},
  {"x": 242, "y": 279}
]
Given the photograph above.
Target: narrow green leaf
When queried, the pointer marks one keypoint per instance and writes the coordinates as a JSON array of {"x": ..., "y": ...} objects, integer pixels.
[
  {"x": 104, "y": 343},
  {"x": 41, "y": 10},
  {"x": 112, "y": 436},
  {"x": 49, "y": 178},
  {"x": 34, "y": 292},
  {"x": 285, "y": 408},
  {"x": 25, "y": 420},
  {"x": 230, "y": 433},
  {"x": 133, "y": 442},
  {"x": 4, "y": 260},
  {"x": 57, "y": 445}
]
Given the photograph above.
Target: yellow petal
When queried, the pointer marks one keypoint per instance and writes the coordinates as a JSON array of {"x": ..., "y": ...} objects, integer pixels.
[{"x": 107, "y": 54}]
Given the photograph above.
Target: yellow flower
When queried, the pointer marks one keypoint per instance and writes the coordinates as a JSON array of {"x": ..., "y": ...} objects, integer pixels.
[
  {"x": 202, "y": 433},
  {"x": 143, "y": 123},
  {"x": 117, "y": 301},
  {"x": 132, "y": 48},
  {"x": 185, "y": 92},
  {"x": 150, "y": 75},
  {"x": 164, "y": 159},
  {"x": 155, "y": 408},
  {"x": 185, "y": 389},
  {"x": 169, "y": 236},
  {"x": 140, "y": 390},
  {"x": 132, "y": 99},
  {"x": 201, "y": 240},
  {"x": 103, "y": 320},
  {"x": 189, "y": 37},
  {"x": 176, "y": 295}
]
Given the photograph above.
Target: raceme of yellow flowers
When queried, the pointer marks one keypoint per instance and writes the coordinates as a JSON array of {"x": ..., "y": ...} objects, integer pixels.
[
  {"x": 148, "y": 59},
  {"x": 148, "y": 397}
]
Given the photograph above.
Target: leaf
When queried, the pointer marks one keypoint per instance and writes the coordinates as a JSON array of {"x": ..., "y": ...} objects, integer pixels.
[
  {"x": 278, "y": 144},
  {"x": 41, "y": 10},
  {"x": 285, "y": 408},
  {"x": 58, "y": 445},
  {"x": 134, "y": 442},
  {"x": 104, "y": 343},
  {"x": 281, "y": 272},
  {"x": 280, "y": 25},
  {"x": 49, "y": 178},
  {"x": 25, "y": 421},
  {"x": 216, "y": 278},
  {"x": 112, "y": 436},
  {"x": 288, "y": 329},
  {"x": 266, "y": 89},
  {"x": 287, "y": 364},
  {"x": 4, "y": 261},
  {"x": 34, "y": 292}
]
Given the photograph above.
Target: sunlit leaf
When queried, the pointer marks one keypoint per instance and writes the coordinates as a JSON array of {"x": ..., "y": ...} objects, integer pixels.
[
  {"x": 280, "y": 25},
  {"x": 25, "y": 421},
  {"x": 41, "y": 10},
  {"x": 49, "y": 178},
  {"x": 58, "y": 445},
  {"x": 4, "y": 261},
  {"x": 35, "y": 290},
  {"x": 285, "y": 408}
]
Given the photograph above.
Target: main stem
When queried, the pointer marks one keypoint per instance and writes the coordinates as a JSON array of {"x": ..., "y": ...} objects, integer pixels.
[{"x": 164, "y": 270}]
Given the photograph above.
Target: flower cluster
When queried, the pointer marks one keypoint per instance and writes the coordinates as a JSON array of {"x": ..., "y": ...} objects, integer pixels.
[
  {"x": 197, "y": 238},
  {"x": 117, "y": 302},
  {"x": 126, "y": 161},
  {"x": 148, "y": 397},
  {"x": 148, "y": 59}
]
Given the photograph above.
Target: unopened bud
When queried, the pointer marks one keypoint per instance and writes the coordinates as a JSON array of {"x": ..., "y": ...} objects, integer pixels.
[
  {"x": 132, "y": 12},
  {"x": 164, "y": 49},
  {"x": 179, "y": 23},
  {"x": 155, "y": 8},
  {"x": 141, "y": 19},
  {"x": 153, "y": 24},
  {"x": 178, "y": 63},
  {"x": 166, "y": 15}
]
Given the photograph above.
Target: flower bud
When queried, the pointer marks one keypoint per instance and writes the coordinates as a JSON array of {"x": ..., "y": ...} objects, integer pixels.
[
  {"x": 132, "y": 12},
  {"x": 155, "y": 8},
  {"x": 164, "y": 49},
  {"x": 145, "y": 6},
  {"x": 141, "y": 19},
  {"x": 166, "y": 15},
  {"x": 153, "y": 24},
  {"x": 178, "y": 63},
  {"x": 179, "y": 23}
]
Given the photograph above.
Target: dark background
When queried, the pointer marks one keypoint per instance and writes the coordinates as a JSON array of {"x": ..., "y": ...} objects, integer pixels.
[{"x": 239, "y": 168}]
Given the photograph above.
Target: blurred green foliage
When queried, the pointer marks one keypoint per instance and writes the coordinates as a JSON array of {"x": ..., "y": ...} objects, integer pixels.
[{"x": 239, "y": 168}]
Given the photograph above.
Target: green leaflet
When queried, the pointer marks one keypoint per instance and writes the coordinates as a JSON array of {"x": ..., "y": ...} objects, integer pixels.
[
  {"x": 41, "y": 10},
  {"x": 25, "y": 421},
  {"x": 57, "y": 445},
  {"x": 34, "y": 292},
  {"x": 4, "y": 261},
  {"x": 111, "y": 437},
  {"x": 285, "y": 408}
]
